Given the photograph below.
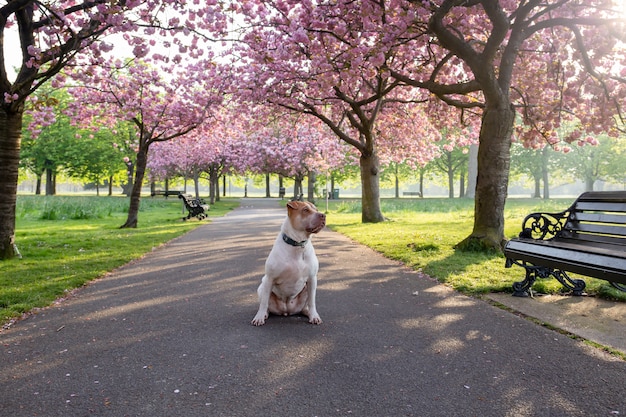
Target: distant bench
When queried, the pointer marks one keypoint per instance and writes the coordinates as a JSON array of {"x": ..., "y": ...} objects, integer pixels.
[
  {"x": 589, "y": 238},
  {"x": 196, "y": 207},
  {"x": 411, "y": 194},
  {"x": 165, "y": 193}
]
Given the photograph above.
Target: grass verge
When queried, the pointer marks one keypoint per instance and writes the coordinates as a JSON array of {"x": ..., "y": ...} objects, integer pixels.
[
  {"x": 68, "y": 241},
  {"x": 422, "y": 233}
]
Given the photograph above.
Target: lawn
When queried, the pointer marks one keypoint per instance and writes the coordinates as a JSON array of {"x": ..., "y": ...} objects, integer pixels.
[
  {"x": 422, "y": 233},
  {"x": 68, "y": 241}
]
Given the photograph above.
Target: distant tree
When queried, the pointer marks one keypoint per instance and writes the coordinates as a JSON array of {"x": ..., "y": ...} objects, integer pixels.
[
  {"x": 47, "y": 137},
  {"x": 529, "y": 162},
  {"x": 292, "y": 147},
  {"x": 593, "y": 159},
  {"x": 160, "y": 108},
  {"x": 94, "y": 158},
  {"x": 616, "y": 170},
  {"x": 54, "y": 34}
]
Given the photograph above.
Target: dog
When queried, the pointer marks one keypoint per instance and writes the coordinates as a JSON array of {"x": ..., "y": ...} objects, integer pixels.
[{"x": 290, "y": 281}]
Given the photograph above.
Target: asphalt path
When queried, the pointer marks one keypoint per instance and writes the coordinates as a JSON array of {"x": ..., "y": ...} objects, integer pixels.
[{"x": 170, "y": 335}]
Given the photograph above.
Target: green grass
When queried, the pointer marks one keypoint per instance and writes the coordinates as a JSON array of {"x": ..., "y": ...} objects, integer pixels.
[
  {"x": 422, "y": 233},
  {"x": 68, "y": 241}
]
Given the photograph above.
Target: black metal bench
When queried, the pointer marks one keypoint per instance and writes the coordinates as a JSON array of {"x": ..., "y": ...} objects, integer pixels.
[
  {"x": 589, "y": 238},
  {"x": 165, "y": 193},
  {"x": 411, "y": 194},
  {"x": 196, "y": 207}
]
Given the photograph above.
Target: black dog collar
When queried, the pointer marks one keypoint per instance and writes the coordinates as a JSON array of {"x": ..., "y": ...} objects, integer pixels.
[{"x": 292, "y": 242}]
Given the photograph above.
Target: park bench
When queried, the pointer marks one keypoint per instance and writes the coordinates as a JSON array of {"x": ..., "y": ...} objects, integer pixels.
[
  {"x": 589, "y": 238},
  {"x": 165, "y": 193},
  {"x": 411, "y": 194},
  {"x": 196, "y": 207}
]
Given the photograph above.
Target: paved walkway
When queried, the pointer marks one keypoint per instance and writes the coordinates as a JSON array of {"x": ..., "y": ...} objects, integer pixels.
[{"x": 170, "y": 335}]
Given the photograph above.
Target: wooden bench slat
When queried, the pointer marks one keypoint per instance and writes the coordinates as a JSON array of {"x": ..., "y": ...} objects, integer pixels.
[
  {"x": 601, "y": 229},
  {"x": 598, "y": 218},
  {"x": 616, "y": 242},
  {"x": 615, "y": 207},
  {"x": 546, "y": 246},
  {"x": 602, "y": 196}
]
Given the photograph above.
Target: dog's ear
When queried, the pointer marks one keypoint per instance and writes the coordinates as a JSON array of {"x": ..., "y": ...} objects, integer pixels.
[{"x": 292, "y": 205}]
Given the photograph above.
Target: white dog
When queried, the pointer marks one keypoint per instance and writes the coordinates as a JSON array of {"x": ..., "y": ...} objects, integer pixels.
[{"x": 290, "y": 281}]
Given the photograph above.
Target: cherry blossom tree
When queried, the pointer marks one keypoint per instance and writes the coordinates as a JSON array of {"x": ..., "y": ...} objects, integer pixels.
[
  {"x": 547, "y": 61},
  {"x": 160, "y": 108},
  {"x": 52, "y": 34},
  {"x": 326, "y": 60},
  {"x": 344, "y": 61},
  {"x": 292, "y": 147},
  {"x": 204, "y": 150}
]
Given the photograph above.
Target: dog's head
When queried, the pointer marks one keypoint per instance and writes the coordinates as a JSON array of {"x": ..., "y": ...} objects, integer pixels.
[{"x": 304, "y": 216}]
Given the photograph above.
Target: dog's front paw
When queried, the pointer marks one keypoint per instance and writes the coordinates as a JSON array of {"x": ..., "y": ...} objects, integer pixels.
[
  {"x": 259, "y": 320},
  {"x": 315, "y": 319}
]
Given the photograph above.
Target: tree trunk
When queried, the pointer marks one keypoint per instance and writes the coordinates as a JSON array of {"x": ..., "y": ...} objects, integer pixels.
[
  {"x": 311, "y": 187},
  {"x": 38, "y": 185},
  {"x": 537, "y": 181},
  {"x": 217, "y": 185},
  {"x": 370, "y": 189},
  {"x": 297, "y": 188},
  {"x": 267, "y": 186},
  {"x": 196, "y": 183},
  {"x": 494, "y": 159},
  {"x": 135, "y": 194},
  {"x": 10, "y": 137},
  {"x": 215, "y": 179},
  {"x": 397, "y": 183},
  {"x": 450, "y": 178},
  {"x": 462, "y": 183},
  {"x": 214, "y": 184},
  {"x": 127, "y": 189},
  {"x": 50, "y": 182},
  {"x": 110, "y": 186}
]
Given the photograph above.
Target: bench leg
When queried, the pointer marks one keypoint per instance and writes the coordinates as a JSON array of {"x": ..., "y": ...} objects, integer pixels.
[
  {"x": 523, "y": 288},
  {"x": 577, "y": 286}
]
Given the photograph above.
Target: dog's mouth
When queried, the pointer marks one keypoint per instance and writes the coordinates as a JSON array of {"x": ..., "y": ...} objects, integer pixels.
[{"x": 317, "y": 228}]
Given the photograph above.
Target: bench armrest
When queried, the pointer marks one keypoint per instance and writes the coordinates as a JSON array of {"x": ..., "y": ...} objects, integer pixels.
[{"x": 543, "y": 226}]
